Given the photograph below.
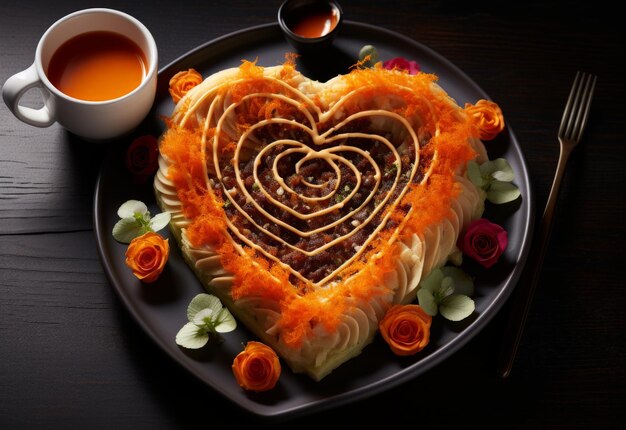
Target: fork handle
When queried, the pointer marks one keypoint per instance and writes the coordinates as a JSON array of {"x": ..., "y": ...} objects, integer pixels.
[{"x": 528, "y": 282}]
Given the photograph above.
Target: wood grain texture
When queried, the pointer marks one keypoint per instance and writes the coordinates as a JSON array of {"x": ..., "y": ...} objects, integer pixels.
[{"x": 72, "y": 357}]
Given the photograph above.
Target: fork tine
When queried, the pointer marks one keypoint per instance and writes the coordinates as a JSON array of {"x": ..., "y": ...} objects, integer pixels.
[
  {"x": 571, "y": 123},
  {"x": 577, "y": 106},
  {"x": 581, "y": 118},
  {"x": 568, "y": 106}
]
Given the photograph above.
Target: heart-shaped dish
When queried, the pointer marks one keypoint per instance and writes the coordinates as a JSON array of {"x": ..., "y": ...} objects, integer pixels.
[{"x": 310, "y": 208}]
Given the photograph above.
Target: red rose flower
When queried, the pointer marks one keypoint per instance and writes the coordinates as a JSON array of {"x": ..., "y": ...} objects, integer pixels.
[
  {"x": 142, "y": 158},
  {"x": 484, "y": 242},
  {"x": 403, "y": 64}
]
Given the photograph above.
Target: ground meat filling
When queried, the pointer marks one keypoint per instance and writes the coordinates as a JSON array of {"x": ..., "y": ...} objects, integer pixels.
[{"x": 312, "y": 184}]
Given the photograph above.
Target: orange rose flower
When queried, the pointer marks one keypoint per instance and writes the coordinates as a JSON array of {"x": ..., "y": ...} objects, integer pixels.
[
  {"x": 406, "y": 328},
  {"x": 182, "y": 82},
  {"x": 487, "y": 117},
  {"x": 257, "y": 367},
  {"x": 146, "y": 256}
]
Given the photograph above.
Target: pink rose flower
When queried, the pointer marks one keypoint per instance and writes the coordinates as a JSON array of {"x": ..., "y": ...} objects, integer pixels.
[
  {"x": 484, "y": 242},
  {"x": 403, "y": 64}
]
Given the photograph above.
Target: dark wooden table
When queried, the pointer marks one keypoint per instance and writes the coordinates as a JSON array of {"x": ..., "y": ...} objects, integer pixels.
[{"x": 71, "y": 355}]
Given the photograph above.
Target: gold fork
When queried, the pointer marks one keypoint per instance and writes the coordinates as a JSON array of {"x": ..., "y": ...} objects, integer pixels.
[{"x": 570, "y": 133}]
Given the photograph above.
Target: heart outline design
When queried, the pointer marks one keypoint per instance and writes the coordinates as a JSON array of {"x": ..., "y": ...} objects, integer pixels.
[{"x": 326, "y": 140}]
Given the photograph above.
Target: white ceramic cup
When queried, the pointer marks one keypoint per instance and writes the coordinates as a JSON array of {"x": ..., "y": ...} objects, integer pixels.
[{"x": 92, "y": 120}]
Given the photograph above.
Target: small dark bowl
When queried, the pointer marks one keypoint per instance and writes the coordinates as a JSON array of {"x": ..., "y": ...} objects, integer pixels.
[{"x": 292, "y": 11}]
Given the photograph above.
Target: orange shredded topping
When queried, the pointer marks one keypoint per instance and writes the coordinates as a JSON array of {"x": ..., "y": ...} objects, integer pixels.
[{"x": 303, "y": 309}]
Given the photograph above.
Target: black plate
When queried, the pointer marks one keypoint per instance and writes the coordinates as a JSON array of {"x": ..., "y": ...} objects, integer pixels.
[{"x": 160, "y": 308}]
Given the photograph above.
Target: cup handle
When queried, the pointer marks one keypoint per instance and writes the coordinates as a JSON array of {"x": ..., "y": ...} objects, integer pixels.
[{"x": 12, "y": 92}]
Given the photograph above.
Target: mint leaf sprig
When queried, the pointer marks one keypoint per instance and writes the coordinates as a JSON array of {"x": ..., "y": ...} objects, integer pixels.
[
  {"x": 136, "y": 221},
  {"x": 446, "y": 291},
  {"x": 207, "y": 317},
  {"x": 495, "y": 178}
]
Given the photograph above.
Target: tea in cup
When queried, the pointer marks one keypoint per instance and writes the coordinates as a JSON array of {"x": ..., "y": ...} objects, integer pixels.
[{"x": 97, "y": 71}]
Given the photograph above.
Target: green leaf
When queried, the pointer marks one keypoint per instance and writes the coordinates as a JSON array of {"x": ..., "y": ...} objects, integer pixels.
[
  {"x": 191, "y": 336},
  {"x": 504, "y": 172},
  {"x": 463, "y": 283},
  {"x": 203, "y": 301},
  {"x": 427, "y": 301},
  {"x": 503, "y": 176},
  {"x": 126, "y": 229},
  {"x": 225, "y": 322},
  {"x": 473, "y": 173},
  {"x": 433, "y": 281},
  {"x": 160, "y": 220},
  {"x": 132, "y": 207},
  {"x": 502, "y": 192},
  {"x": 456, "y": 307},
  {"x": 487, "y": 168}
]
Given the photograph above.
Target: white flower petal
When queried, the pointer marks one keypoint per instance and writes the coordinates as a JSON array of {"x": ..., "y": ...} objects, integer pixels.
[
  {"x": 426, "y": 300},
  {"x": 504, "y": 172},
  {"x": 463, "y": 283},
  {"x": 191, "y": 336},
  {"x": 214, "y": 304},
  {"x": 445, "y": 289},
  {"x": 131, "y": 207},
  {"x": 126, "y": 230},
  {"x": 502, "y": 192},
  {"x": 160, "y": 220},
  {"x": 456, "y": 307},
  {"x": 225, "y": 322},
  {"x": 487, "y": 168},
  {"x": 433, "y": 281},
  {"x": 503, "y": 176},
  {"x": 204, "y": 317},
  {"x": 203, "y": 301}
]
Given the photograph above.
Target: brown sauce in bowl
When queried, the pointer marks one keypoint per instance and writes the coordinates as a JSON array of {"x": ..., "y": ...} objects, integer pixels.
[{"x": 314, "y": 21}]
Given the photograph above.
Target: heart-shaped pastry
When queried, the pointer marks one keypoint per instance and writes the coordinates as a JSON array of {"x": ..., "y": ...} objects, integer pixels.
[{"x": 310, "y": 208}]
